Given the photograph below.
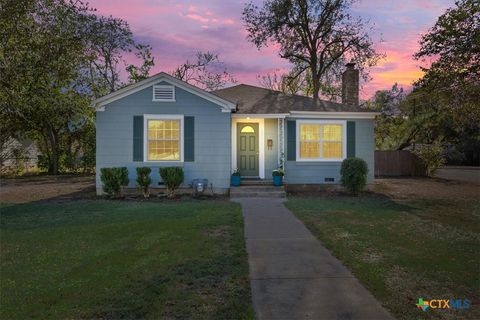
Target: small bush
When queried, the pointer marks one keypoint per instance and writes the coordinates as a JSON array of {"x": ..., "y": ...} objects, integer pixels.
[
  {"x": 278, "y": 172},
  {"x": 113, "y": 179},
  {"x": 354, "y": 174},
  {"x": 236, "y": 173},
  {"x": 144, "y": 180},
  {"x": 172, "y": 177},
  {"x": 432, "y": 157}
]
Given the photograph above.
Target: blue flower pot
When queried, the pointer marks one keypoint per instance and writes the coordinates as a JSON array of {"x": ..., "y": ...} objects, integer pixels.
[
  {"x": 235, "y": 181},
  {"x": 277, "y": 181}
]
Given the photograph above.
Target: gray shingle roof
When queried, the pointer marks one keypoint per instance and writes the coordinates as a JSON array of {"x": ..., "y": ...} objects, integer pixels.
[{"x": 251, "y": 100}]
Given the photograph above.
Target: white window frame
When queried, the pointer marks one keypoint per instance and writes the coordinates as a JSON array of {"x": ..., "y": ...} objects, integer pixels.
[
  {"x": 147, "y": 117},
  {"x": 343, "y": 123},
  {"x": 163, "y": 86}
]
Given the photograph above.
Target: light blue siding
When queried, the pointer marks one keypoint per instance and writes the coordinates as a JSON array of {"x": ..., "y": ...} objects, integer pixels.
[
  {"x": 212, "y": 142},
  {"x": 316, "y": 172},
  {"x": 365, "y": 144},
  {"x": 271, "y": 156},
  {"x": 212, "y": 137}
]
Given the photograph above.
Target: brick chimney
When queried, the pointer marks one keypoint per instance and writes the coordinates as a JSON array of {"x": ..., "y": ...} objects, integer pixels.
[{"x": 350, "y": 83}]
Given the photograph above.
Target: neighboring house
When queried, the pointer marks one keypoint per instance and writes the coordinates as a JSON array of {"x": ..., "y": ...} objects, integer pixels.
[
  {"x": 17, "y": 155},
  {"x": 162, "y": 121}
]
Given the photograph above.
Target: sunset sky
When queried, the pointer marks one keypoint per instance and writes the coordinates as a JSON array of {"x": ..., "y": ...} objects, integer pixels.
[{"x": 178, "y": 29}]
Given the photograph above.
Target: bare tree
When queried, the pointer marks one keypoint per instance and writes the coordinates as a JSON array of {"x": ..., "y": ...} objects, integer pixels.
[
  {"x": 206, "y": 72},
  {"x": 284, "y": 83}
]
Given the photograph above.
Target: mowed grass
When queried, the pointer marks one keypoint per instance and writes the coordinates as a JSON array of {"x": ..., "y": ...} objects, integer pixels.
[
  {"x": 123, "y": 260},
  {"x": 402, "y": 251}
]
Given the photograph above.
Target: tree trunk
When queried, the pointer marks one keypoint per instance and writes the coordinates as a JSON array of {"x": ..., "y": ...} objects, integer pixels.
[
  {"x": 53, "y": 139},
  {"x": 55, "y": 161},
  {"x": 316, "y": 89}
]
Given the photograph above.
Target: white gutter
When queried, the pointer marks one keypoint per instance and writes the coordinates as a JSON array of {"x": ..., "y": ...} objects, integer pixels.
[
  {"x": 260, "y": 115},
  {"x": 334, "y": 115}
]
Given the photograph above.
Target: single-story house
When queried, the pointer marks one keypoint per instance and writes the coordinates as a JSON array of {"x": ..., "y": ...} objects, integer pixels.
[{"x": 162, "y": 121}]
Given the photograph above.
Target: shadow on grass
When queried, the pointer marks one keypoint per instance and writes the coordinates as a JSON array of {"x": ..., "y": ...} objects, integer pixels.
[
  {"x": 366, "y": 202},
  {"x": 194, "y": 290}
]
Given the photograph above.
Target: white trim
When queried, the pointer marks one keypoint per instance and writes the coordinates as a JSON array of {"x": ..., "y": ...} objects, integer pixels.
[
  {"x": 334, "y": 115},
  {"x": 162, "y": 86},
  {"x": 278, "y": 141},
  {"x": 261, "y": 142},
  {"x": 162, "y": 76},
  {"x": 281, "y": 141},
  {"x": 320, "y": 122},
  {"x": 147, "y": 117},
  {"x": 260, "y": 115}
]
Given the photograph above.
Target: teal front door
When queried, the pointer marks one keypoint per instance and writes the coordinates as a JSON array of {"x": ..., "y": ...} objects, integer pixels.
[{"x": 247, "y": 149}]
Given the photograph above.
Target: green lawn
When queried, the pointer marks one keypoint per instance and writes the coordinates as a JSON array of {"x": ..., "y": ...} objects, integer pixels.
[
  {"x": 403, "y": 251},
  {"x": 114, "y": 260}
]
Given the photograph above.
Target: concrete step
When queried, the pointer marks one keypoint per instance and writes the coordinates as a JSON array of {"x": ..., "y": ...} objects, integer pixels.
[
  {"x": 257, "y": 192},
  {"x": 243, "y": 188},
  {"x": 256, "y": 182}
]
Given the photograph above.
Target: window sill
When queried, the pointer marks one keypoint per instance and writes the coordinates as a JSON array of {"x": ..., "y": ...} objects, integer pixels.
[
  {"x": 316, "y": 162},
  {"x": 165, "y": 163}
]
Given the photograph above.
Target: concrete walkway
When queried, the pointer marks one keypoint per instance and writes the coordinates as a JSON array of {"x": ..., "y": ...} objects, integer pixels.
[
  {"x": 465, "y": 174},
  {"x": 292, "y": 275}
]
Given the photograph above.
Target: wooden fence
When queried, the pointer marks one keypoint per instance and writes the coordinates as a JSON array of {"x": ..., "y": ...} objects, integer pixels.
[{"x": 398, "y": 163}]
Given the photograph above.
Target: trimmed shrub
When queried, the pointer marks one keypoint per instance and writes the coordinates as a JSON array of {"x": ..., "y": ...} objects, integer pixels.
[
  {"x": 432, "y": 157},
  {"x": 172, "y": 177},
  {"x": 123, "y": 176},
  {"x": 144, "y": 180},
  {"x": 113, "y": 179},
  {"x": 354, "y": 174}
]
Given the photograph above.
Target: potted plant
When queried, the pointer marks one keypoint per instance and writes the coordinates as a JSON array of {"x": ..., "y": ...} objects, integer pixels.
[
  {"x": 277, "y": 175},
  {"x": 235, "y": 178}
]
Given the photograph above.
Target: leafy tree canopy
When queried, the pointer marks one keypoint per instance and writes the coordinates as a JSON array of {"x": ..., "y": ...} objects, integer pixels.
[
  {"x": 315, "y": 36},
  {"x": 55, "y": 56},
  {"x": 444, "y": 105}
]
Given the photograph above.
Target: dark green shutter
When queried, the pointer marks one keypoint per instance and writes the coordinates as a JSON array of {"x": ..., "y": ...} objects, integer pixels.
[
  {"x": 189, "y": 139},
  {"x": 137, "y": 138},
  {"x": 291, "y": 140},
  {"x": 350, "y": 139}
]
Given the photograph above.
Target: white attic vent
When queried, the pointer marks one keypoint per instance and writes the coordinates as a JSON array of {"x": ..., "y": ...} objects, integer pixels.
[{"x": 163, "y": 93}]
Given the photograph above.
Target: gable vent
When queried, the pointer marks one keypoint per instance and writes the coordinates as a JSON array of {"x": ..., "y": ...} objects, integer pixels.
[{"x": 163, "y": 93}]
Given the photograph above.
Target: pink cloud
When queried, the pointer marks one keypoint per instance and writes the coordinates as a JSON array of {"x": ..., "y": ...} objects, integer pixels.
[
  {"x": 176, "y": 30},
  {"x": 197, "y": 17}
]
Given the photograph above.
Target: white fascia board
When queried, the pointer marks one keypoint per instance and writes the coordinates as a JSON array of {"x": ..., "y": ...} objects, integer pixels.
[
  {"x": 260, "y": 115},
  {"x": 334, "y": 115},
  {"x": 99, "y": 103}
]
